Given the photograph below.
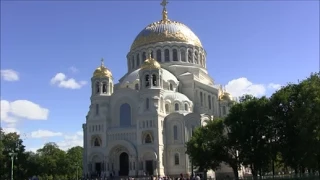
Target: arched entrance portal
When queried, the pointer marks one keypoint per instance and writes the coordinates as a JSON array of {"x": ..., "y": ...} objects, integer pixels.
[{"x": 124, "y": 164}]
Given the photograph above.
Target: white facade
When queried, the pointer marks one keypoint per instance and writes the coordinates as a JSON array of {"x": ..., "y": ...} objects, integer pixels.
[{"x": 141, "y": 124}]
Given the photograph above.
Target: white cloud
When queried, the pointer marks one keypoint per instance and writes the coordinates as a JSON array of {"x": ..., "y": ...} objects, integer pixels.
[
  {"x": 241, "y": 86},
  {"x": 70, "y": 141},
  {"x": 274, "y": 86},
  {"x": 44, "y": 134},
  {"x": 73, "y": 69},
  {"x": 10, "y": 130},
  {"x": 9, "y": 75},
  {"x": 12, "y": 112},
  {"x": 62, "y": 81}
]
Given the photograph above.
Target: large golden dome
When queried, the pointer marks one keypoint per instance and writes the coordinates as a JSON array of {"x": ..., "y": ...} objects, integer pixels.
[
  {"x": 165, "y": 30},
  {"x": 150, "y": 63},
  {"x": 102, "y": 71}
]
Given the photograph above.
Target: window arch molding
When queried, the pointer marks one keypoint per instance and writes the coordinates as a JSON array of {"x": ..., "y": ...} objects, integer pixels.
[
  {"x": 175, "y": 132},
  {"x": 97, "y": 85},
  {"x": 96, "y": 141},
  {"x": 177, "y": 106},
  {"x": 158, "y": 54},
  {"x": 182, "y": 52},
  {"x": 167, "y": 107},
  {"x": 115, "y": 117},
  {"x": 176, "y": 159},
  {"x": 186, "y": 107},
  {"x": 125, "y": 115},
  {"x": 147, "y": 138}
]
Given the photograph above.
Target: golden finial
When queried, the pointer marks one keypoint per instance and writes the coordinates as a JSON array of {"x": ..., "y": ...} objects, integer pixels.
[
  {"x": 164, "y": 10},
  {"x": 102, "y": 71}
]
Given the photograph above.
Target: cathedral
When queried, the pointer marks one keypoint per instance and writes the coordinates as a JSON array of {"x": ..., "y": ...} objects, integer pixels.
[{"x": 139, "y": 126}]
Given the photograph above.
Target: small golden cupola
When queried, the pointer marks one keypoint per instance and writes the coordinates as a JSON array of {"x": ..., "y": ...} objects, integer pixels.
[
  {"x": 102, "y": 71},
  {"x": 150, "y": 63},
  {"x": 226, "y": 96}
]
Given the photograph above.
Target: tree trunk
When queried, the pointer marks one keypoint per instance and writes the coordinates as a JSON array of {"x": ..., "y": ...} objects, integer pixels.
[
  {"x": 235, "y": 172},
  {"x": 260, "y": 173},
  {"x": 296, "y": 172},
  {"x": 254, "y": 174}
]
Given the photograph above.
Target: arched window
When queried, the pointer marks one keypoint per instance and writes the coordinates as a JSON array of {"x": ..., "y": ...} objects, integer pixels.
[
  {"x": 97, "y": 109},
  {"x": 144, "y": 57},
  {"x": 159, "y": 55},
  {"x": 138, "y": 60},
  {"x": 175, "y": 132},
  {"x": 132, "y": 61},
  {"x": 154, "y": 80},
  {"x": 171, "y": 87},
  {"x": 166, "y": 55},
  {"x": 183, "y": 55},
  {"x": 147, "y": 80},
  {"x": 167, "y": 108},
  {"x": 97, "y": 142},
  {"x": 175, "y": 55},
  {"x": 189, "y": 56},
  {"x": 125, "y": 115},
  {"x": 176, "y": 159},
  {"x": 186, "y": 107},
  {"x": 136, "y": 86},
  {"x": 148, "y": 139},
  {"x": 147, "y": 103},
  {"x": 151, "y": 52},
  {"x": 209, "y": 101},
  {"x": 196, "y": 57},
  {"x": 104, "y": 87},
  {"x": 97, "y": 87},
  {"x": 201, "y": 99},
  {"x": 176, "y": 107}
]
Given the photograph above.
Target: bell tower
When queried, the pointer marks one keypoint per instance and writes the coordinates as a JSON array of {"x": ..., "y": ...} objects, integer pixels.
[
  {"x": 102, "y": 81},
  {"x": 150, "y": 74}
]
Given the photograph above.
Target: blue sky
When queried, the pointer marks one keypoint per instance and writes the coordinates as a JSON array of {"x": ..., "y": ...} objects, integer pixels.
[{"x": 252, "y": 46}]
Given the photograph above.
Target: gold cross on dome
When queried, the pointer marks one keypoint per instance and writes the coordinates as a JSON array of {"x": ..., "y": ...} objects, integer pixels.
[
  {"x": 164, "y": 3},
  {"x": 102, "y": 62}
]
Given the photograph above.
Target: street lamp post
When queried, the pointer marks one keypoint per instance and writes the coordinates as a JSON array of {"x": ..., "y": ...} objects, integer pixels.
[{"x": 13, "y": 154}]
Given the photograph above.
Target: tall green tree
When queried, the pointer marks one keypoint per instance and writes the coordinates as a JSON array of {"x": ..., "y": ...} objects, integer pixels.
[
  {"x": 249, "y": 126},
  {"x": 53, "y": 161},
  {"x": 309, "y": 120},
  {"x": 296, "y": 109},
  {"x": 204, "y": 146},
  {"x": 74, "y": 155},
  {"x": 11, "y": 142}
]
